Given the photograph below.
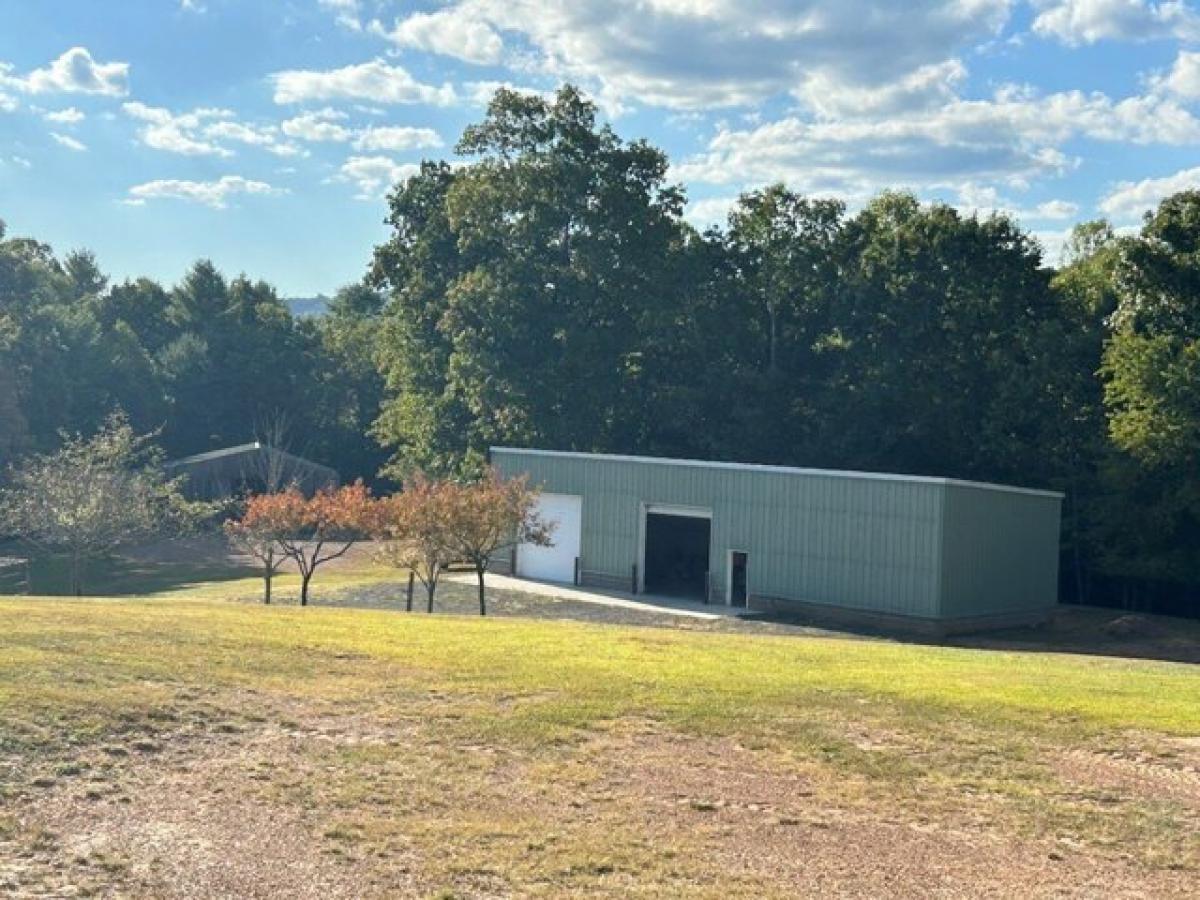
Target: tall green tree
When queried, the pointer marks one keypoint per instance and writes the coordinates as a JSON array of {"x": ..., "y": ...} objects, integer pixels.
[
  {"x": 1073, "y": 448},
  {"x": 786, "y": 256},
  {"x": 942, "y": 317},
  {"x": 344, "y": 349},
  {"x": 1151, "y": 373},
  {"x": 552, "y": 251}
]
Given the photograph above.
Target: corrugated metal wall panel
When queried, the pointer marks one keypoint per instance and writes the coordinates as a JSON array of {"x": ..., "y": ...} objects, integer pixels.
[
  {"x": 1000, "y": 552},
  {"x": 866, "y": 544}
]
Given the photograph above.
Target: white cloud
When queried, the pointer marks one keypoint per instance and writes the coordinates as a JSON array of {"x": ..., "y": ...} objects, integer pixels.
[
  {"x": 318, "y": 125},
  {"x": 374, "y": 175},
  {"x": 69, "y": 142},
  {"x": 287, "y": 149},
  {"x": 375, "y": 81},
  {"x": 1184, "y": 77},
  {"x": 68, "y": 116},
  {"x": 242, "y": 133},
  {"x": 1053, "y": 245},
  {"x": 709, "y": 211},
  {"x": 450, "y": 32},
  {"x": 265, "y": 136},
  {"x": 1055, "y": 209},
  {"x": 480, "y": 93},
  {"x": 924, "y": 87},
  {"x": 210, "y": 193},
  {"x": 22, "y": 162},
  {"x": 1130, "y": 199},
  {"x": 74, "y": 72},
  {"x": 180, "y": 133},
  {"x": 1012, "y": 138},
  {"x": 8, "y": 103},
  {"x": 204, "y": 132},
  {"x": 397, "y": 137},
  {"x": 347, "y": 12},
  {"x": 986, "y": 200},
  {"x": 1076, "y": 22},
  {"x": 700, "y": 54}
]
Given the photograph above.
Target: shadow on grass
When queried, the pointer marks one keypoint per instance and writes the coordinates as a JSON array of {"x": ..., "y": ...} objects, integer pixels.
[
  {"x": 1090, "y": 631},
  {"x": 125, "y": 577}
]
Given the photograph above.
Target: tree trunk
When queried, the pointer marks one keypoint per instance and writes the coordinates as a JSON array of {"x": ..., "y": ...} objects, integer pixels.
[
  {"x": 304, "y": 579},
  {"x": 429, "y": 589},
  {"x": 268, "y": 571},
  {"x": 482, "y": 600},
  {"x": 408, "y": 597},
  {"x": 772, "y": 349},
  {"x": 76, "y": 587}
]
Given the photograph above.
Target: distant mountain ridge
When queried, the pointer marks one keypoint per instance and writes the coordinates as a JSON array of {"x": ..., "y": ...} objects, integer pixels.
[{"x": 308, "y": 306}]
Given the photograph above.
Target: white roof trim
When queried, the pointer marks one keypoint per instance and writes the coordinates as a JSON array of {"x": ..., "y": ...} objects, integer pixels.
[{"x": 786, "y": 470}]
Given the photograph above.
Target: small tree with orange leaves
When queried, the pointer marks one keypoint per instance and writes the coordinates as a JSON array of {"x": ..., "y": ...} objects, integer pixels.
[
  {"x": 412, "y": 528},
  {"x": 259, "y": 532},
  {"x": 490, "y": 515},
  {"x": 310, "y": 531}
]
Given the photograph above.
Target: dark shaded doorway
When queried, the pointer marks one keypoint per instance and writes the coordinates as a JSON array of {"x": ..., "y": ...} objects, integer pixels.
[
  {"x": 737, "y": 578},
  {"x": 677, "y": 555}
]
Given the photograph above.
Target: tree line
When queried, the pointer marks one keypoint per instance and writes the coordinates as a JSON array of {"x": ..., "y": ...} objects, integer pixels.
[
  {"x": 209, "y": 363},
  {"x": 547, "y": 290}
]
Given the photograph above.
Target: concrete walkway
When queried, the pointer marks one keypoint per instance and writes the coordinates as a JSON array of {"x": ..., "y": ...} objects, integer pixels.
[{"x": 666, "y": 605}]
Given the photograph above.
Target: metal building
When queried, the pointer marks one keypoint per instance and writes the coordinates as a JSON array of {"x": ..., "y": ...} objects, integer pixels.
[
  {"x": 896, "y": 551},
  {"x": 248, "y": 468}
]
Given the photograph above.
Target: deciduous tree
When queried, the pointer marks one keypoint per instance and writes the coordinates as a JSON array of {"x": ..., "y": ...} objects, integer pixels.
[
  {"x": 488, "y": 516},
  {"x": 413, "y": 529},
  {"x": 318, "y": 529},
  {"x": 522, "y": 287},
  {"x": 260, "y": 532},
  {"x": 95, "y": 495},
  {"x": 1151, "y": 375}
]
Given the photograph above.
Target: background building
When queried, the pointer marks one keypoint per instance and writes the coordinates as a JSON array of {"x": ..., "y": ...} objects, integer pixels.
[{"x": 246, "y": 469}]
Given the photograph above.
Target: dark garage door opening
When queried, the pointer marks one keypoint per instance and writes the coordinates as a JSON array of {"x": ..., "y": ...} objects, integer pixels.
[{"x": 677, "y": 555}]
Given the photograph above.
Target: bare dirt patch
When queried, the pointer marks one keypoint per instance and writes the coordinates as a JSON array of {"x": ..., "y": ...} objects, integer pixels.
[
  {"x": 804, "y": 832},
  {"x": 194, "y": 815},
  {"x": 332, "y": 804},
  {"x": 1137, "y": 774}
]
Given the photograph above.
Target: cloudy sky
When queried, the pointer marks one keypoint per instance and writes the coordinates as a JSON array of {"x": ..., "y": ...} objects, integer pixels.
[{"x": 265, "y": 134}]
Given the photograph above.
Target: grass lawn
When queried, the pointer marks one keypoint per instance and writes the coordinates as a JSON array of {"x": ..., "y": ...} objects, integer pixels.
[{"x": 184, "y": 745}]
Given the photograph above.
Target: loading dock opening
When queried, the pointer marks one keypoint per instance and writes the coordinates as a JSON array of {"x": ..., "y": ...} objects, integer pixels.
[{"x": 676, "y": 553}]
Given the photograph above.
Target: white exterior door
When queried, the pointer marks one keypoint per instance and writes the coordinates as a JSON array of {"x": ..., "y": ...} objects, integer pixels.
[{"x": 556, "y": 562}]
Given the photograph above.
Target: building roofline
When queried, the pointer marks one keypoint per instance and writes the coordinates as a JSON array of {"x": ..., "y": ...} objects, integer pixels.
[
  {"x": 783, "y": 470},
  {"x": 215, "y": 454},
  {"x": 240, "y": 449}
]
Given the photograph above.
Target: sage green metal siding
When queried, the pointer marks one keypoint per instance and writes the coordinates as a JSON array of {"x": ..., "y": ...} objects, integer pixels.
[
  {"x": 999, "y": 552},
  {"x": 871, "y": 543}
]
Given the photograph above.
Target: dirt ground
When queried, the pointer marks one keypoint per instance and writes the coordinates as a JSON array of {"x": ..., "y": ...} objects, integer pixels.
[{"x": 288, "y": 802}]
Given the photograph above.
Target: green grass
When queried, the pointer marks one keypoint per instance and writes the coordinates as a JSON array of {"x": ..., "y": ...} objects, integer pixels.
[
  {"x": 89, "y": 679},
  {"x": 572, "y": 675}
]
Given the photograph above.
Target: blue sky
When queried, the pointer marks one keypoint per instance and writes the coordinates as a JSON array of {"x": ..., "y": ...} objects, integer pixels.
[{"x": 264, "y": 135}]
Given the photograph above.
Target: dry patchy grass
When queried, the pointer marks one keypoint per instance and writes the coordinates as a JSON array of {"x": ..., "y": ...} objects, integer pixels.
[{"x": 186, "y": 747}]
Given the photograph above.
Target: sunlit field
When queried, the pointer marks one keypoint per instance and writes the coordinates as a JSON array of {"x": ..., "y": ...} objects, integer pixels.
[{"x": 188, "y": 745}]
